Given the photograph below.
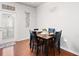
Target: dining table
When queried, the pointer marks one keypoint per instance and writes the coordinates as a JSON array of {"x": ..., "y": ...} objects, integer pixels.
[{"x": 45, "y": 37}]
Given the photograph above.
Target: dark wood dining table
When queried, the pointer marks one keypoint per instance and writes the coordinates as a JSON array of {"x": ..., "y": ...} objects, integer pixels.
[{"x": 45, "y": 38}]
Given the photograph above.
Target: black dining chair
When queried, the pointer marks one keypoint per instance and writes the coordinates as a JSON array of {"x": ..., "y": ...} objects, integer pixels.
[
  {"x": 56, "y": 42},
  {"x": 31, "y": 39},
  {"x": 51, "y": 30},
  {"x": 35, "y": 43},
  {"x": 36, "y": 29}
]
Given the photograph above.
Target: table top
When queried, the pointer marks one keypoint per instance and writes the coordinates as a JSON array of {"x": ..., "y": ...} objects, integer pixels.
[{"x": 44, "y": 36}]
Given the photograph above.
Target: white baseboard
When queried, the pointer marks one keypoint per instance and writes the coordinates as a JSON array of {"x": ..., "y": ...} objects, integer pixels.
[
  {"x": 21, "y": 39},
  {"x": 70, "y": 51}
]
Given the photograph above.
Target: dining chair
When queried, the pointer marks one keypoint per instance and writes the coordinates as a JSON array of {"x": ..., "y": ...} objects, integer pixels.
[
  {"x": 31, "y": 39},
  {"x": 35, "y": 43},
  {"x": 57, "y": 38},
  {"x": 51, "y": 30},
  {"x": 36, "y": 29}
]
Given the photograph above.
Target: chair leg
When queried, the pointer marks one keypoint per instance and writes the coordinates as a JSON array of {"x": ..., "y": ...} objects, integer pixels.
[
  {"x": 37, "y": 51},
  {"x": 59, "y": 47},
  {"x": 32, "y": 46},
  {"x": 54, "y": 48},
  {"x": 30, "y": 43}
]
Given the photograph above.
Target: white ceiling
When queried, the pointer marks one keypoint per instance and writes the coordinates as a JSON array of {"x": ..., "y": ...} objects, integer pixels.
[{"x": 32, "y": 4}]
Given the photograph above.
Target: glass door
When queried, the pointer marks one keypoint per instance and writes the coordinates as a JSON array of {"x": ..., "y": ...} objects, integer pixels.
[{"x": 7, "y": 25}]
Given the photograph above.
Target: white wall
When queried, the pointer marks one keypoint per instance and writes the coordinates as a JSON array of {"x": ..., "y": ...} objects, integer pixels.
[
  {"x": 21, "y": 32},
  {"x": 64, "y": 16}
]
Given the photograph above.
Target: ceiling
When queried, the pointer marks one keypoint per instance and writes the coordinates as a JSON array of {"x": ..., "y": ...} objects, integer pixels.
[{"x": 32, "y": 4}]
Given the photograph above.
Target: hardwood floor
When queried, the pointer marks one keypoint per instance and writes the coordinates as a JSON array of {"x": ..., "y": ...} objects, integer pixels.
[
  {"x": 1, "y": 52},
  {"x": 21, "y": 48}
]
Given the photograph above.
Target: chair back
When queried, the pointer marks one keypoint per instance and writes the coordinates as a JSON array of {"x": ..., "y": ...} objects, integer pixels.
[
  {"x": 33, "y": 35},
  {"x": 51, "y": 30},
  {"x": 36, "y": 29}
]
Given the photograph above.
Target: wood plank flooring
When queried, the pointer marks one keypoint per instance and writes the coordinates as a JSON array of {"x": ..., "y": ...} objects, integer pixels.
[{"x": 21, "y": 48}]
